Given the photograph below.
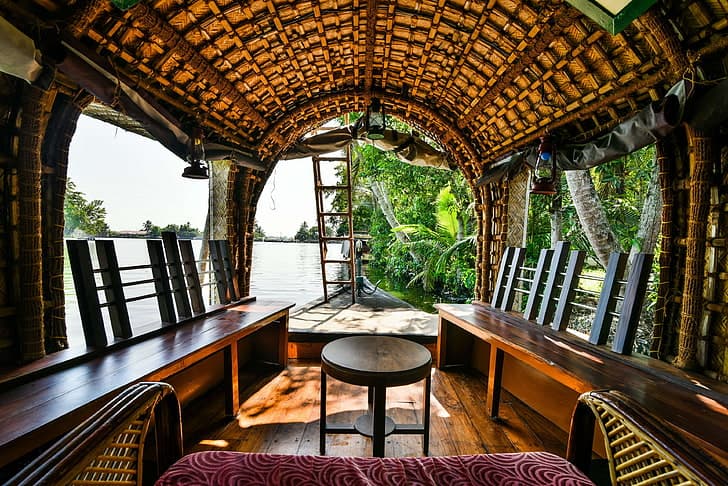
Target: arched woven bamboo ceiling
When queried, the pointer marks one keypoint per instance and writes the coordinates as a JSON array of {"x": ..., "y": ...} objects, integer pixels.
[{"x": 482, "y": 78}]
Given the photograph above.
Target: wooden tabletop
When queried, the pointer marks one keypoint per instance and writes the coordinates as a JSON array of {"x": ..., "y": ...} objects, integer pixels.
[{"x": 376, "y": 360}]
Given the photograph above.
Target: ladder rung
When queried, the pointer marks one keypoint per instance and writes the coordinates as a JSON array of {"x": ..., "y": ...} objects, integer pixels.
[
  {"x": 339, "y": 238},
  {"x": 331, "y": 159},
  {"x": 334, "y": 213},
  {"x": 333, "y": 188},
  {"x": 336, "y": 260},
  {"x": 338, "y": 282}
]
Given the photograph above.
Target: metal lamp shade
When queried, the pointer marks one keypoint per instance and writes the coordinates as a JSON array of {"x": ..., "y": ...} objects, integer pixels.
[{"x": 375, "y": 121}]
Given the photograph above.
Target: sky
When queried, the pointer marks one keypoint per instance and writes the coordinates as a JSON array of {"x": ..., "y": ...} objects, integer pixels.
[{"x": 138, "y": 180}]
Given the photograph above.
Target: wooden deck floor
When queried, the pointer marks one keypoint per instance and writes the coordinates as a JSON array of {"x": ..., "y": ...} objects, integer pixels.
[
  {"x": 375, "y": 313},
  {"x": 280, "y": 414}
]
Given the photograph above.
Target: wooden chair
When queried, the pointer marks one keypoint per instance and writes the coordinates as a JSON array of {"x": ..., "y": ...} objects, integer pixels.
[
  {"x": 108, "y": 448},
  {"x": 641, "y": 449}
]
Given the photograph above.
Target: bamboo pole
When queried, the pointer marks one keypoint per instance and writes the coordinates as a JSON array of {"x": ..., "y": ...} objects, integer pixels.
[
  {"x": 701, "y": 159},
  {"x": 33, "y": 121},
  {"x": 666, "y": 176}
]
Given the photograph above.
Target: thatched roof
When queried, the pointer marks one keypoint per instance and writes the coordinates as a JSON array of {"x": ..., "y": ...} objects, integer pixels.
[{"x": 482, "y": 78}]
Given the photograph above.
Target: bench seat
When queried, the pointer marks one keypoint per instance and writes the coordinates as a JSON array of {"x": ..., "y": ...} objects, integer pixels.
[
  {"x": 226, "y": 467},
  {"x": 42, "y": 408},
  {"x": 695, "y": 406}
]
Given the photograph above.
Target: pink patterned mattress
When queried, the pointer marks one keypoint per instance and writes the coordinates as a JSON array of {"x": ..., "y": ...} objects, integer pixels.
[{"x": 237, "y": 468}]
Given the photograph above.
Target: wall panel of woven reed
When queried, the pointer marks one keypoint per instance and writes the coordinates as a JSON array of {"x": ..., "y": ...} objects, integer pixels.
[
  {"x": 692, "y": 310},
  {"x": 718, "y": 249},
  {"x": 8, "y": 222}
]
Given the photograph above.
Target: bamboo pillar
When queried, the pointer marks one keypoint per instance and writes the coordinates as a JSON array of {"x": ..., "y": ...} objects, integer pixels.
[
  {"x": 234, "y": 203},
  {"x": 57, "y": 140},
  {"x": 482, "y": 208},
  {"x": 701, "y": 159},
  {"x": 33, "y": 121},
  {"x": 666, "y": 176}
]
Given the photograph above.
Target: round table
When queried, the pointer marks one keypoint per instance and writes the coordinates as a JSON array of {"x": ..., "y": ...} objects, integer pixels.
[{"x": 376, "y": 362}]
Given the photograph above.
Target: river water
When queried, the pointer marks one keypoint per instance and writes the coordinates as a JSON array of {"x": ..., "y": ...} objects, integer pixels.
[{"x": 282, "y": 271}]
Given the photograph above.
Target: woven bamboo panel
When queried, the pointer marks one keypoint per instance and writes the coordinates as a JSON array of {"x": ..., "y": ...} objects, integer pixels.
[
  {"x": 494, "y": 75},
  {"x": 518, "y": 187},
  {"x": 8, "y": 229},
  {"x": 717, "y": 336},
  {"x": 219, "y": 173}
]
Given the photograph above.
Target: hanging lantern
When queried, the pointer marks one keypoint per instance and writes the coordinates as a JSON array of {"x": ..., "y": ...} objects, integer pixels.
[
  {"x": 544, "y": 173},
  {"x": 376, "y": 122},
  {"x": 197, "y": 169}
]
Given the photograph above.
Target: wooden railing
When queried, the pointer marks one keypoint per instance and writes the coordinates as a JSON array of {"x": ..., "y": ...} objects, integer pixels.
[
  {"x": 549, "y": 292},
  {"x": 176, "y": 280}
]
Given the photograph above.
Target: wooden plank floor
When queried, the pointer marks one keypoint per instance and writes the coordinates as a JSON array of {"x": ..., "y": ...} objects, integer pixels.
[{"x": 280, "y": 414}]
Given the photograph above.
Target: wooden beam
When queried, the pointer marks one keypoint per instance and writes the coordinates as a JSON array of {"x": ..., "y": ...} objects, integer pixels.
[
  {"x": 192, "y": 278},
  {"x": 371, "y": 37},
  {"x": 548, "y": 304},
  {"x": 568, "y": 288},
  {"x": 539, "y": 280}
]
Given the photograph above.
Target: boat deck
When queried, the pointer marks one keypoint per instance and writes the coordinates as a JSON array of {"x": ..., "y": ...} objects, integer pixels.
[
  {"x": 378, "y": 313},
  {"x": 279, "y": 413}
]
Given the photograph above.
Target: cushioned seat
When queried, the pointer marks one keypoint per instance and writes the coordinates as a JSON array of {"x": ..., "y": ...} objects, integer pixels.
[{"x": 237, "y": 468}]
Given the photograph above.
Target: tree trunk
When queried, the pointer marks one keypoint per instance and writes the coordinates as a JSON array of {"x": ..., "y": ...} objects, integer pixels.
[
  {"x": 650, "y": 219},
  {"x": 591, "y": 215},
  {"x": 380, "y": 195},
  {"x": 556, "y": 220}
]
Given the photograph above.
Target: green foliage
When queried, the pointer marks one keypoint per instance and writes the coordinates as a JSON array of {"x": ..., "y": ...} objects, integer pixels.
[
  {"x": 82, "y": 216},
  {"x": 258, "y": 233},
  {"x": 438, "y": 231},
  {"x": 306, "y": 233},
  {"x": 444, "y": 250},
  {"x": 183, "y": 231},
  {"x": 622, "y": 187},
  {"x": 151, "y": 229}
]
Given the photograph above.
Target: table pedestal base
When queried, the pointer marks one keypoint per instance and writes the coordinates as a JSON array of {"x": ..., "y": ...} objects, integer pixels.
[{"x": 365, "y": 425}]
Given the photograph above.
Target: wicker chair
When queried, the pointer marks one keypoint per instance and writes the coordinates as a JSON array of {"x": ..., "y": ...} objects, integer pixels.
[
  {"x": 640, "y": 448},
  {"x": 108, "y": 448}
]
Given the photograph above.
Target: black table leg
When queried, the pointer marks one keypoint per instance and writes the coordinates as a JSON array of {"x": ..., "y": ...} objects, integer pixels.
[
  {"x": 380, "y": 402},
  {"x": 322, "y": 421},
  {"x": 426, "y": 417}
]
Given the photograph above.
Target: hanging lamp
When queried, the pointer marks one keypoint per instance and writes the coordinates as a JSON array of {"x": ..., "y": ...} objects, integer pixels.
[
  {"x": 376, "y": 121},
  {"x": 544, "y": 172},
  {"x": 197, "y": 168}
]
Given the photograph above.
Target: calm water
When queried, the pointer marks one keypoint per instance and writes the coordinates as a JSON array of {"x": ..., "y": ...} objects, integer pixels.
[{"x": 283, "y": 271}]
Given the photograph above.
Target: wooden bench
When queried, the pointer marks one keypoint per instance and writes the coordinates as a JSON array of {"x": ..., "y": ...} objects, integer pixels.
[
  {"x": 37, "y": 409},
  {"x": 694, "y": 405},
  {"x": 535, "y": 336}
]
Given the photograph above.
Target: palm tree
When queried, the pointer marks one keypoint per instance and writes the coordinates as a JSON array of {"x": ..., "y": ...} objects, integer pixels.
[{"x": 436, "y": 247}]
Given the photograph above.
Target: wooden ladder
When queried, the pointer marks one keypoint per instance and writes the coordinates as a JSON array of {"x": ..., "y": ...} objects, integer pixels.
[{"x": 321, "y": 215}]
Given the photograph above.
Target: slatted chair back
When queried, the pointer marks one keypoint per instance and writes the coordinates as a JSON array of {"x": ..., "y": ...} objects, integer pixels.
[
  {"x": 223, "y": 271},
  {"x": 173, "y": 270},
  {"x": 108, "y": 448},
  {"x": 640, "y": 448},
  {"x": 618, "y": 299},
  {"x": 555, "y": 287}
]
